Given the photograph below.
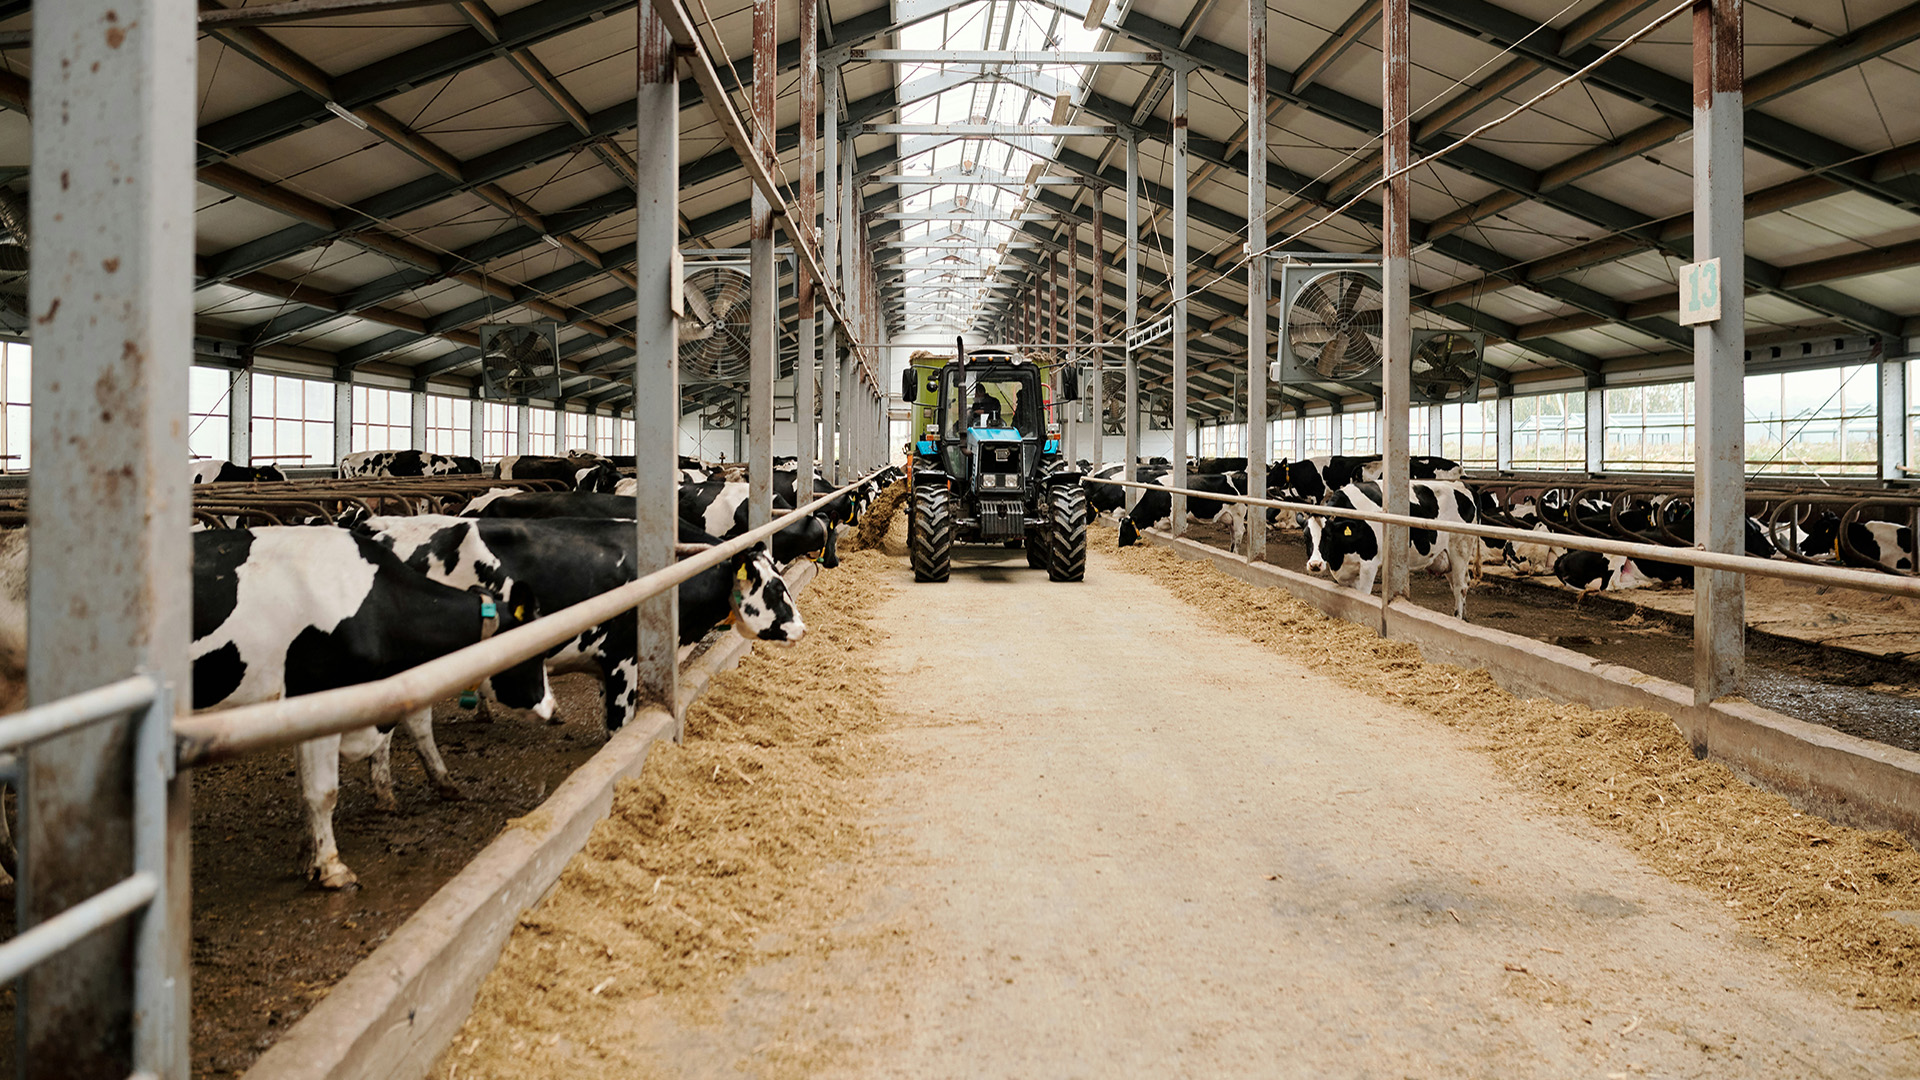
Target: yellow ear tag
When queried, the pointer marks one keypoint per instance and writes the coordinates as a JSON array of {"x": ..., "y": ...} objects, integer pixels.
[
  {"x": 519, "y": 613},
  {"x": 740, "y": 574}
]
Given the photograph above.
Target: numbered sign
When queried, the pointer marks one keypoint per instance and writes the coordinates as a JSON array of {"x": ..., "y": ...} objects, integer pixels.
[{"x": 1700, "y": 292}]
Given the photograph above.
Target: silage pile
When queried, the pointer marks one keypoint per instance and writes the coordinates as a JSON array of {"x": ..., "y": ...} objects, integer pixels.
[
  {"x": 728, "y": 836},
  {"x": 878, "y": 518},
  {"x": 1821, "y": 892}
]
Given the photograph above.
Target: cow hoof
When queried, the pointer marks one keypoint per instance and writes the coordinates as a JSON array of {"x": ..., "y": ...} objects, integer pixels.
[{"x": 335, "y": 877}]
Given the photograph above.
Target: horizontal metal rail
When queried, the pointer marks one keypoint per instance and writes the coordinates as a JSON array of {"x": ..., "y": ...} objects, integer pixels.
[
  {"x": 1001, "y": 56},
  {"x": 102, "y": 909},
  {"x": 222, "y": 736},
  {"x": 86, "y": 707},
  {"x": 1682, "y": 556}
]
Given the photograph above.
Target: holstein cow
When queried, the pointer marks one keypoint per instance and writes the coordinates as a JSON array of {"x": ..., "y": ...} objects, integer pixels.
[
  {"x": 593, "y": 477},
  {"x": 805, "y": 538},
  {"x": 720, "y": 507},
  {"x": 1590, "y": 571},
  {"x": 1349, "y": 549},
  {"x": 406, "y": 463},
  {"x": 1155, "y": 506},
  {"x": 289, "y": 610},
  {"x": 555, "y": 563},
  {"x": 1879, "y": 544},
  {"x": 1314, "y": 479},
  {"x": 226, "y": 472},
  {"x": 1111, "y": 498}
]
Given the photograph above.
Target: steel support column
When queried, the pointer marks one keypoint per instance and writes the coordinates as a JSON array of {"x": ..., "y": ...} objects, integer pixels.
[
  {"x": 1893, "y": 419},
  {"x": 522, "y": 428},
  {"x": 1396, "y": 374},
  {"x": 855, "y": 301},
  {"x": 1719, "y": 347},
  {"x": 342, "y": 424},
  {"x": 1596, "y": 405},
  {"x": 240, "y": 417},
  {"x": 1070, "y": 412},
  {"x": 1131, "y": 469},
  {"x": 1181, "y": 68},
  {"x": 804, "y": 365},
  {"x": 656, "y": 376},
  {"x": 763, "y": 277},
  {"x": 417, "y": 419},
  {"x": 477, "y": 426},
  {"x": 1259, "y": 278},
  {"x": 1503, "y": 433},
  {"x": 829, "y": 258},
  {"x": 109, "y": 583},
  {"x": 1099, "y": 294}
]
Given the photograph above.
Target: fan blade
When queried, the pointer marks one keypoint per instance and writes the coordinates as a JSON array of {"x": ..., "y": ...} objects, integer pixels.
[{"x": 1350, "y": 301}]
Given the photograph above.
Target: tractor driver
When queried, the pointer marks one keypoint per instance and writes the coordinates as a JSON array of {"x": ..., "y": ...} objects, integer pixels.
[{"x": 984, "y": 411}]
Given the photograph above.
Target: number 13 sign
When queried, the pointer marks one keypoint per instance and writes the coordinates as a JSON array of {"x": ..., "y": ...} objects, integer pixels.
[{"x": 1700, "y": 292}]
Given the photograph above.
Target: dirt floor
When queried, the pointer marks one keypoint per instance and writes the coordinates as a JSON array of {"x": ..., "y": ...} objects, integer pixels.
[
  {"x": 1799, "y": 660},
  {"x": 1163, "y": 822}
]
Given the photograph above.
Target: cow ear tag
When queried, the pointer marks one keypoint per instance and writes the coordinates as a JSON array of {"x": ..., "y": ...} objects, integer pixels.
[
  {"x": 519, "y": 613},
  {"x": 488, "y": 611}
]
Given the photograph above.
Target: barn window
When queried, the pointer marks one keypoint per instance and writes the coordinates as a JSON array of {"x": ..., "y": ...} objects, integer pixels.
[
  {"x": 209, "y": 411},
  {"x": 382, "y": 419},
  {"x": 624, "y": 445},
  {"x": 576, "y": 433},
  {"x": 1360, "y": 433},
  {"x": 1824, "y": 421},
  {"x": 292, "y": 421},
  {"x": 604, "y": 436},
  {"x": 497, "y": 429},
  {"x": 449, "y": 425},
  {"x": 540, "y": 431},
  {"x": 16, "y": 373},
  {"x": 1317, "y": 436},
  {"x": 1470, "y": 433},
  {"x": 1550, "y": 431},
  {"x": 1650, "y": 428}
]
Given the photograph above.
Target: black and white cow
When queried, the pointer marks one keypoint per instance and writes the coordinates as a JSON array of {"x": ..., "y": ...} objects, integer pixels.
[
  {"x": 1349, "y": 549},
  {"x": 287, "y": 610},
  {"x": 554, "y": 563},
  {"x": 720, "y": 507},
  {"x": 226, "y": 472},
  {"x": 1882, "y": 545},
  {"x": 806, "y": 538},
  {"x": 1111, "y": 498},
  {"x": 1155, "y": 506},
  {"x": 1314, "y": 479},
  {"x": 595, "y": 477},
  {"x": 1590, "y": 571},
  {"x": 406, "y": 463}
]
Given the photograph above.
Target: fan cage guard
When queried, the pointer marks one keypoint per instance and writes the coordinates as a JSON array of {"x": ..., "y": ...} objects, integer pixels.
[
  {"x": 1471, "y": 359},
  {"x": 1318, "y": 306},
  {"x": 520, "y": 360},
  {"x": 717, "y": 353}
]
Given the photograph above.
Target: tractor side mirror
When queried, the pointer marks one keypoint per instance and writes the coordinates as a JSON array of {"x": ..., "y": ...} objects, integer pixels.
[
  {"x": 909, "y": 386},
  {"x": 1069, "y": 384}
]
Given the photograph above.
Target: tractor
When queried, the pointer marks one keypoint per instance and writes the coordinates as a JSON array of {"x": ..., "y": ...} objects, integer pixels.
[{"x": 985, "y": 467}]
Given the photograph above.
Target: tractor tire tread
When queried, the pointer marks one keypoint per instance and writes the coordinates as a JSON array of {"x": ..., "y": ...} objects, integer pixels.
[
  {"x": 1067, "y": 534},
  {"x": 930, "y": 549}
]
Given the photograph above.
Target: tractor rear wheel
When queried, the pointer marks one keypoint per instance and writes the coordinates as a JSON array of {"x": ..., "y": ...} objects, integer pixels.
[
  {"x": 930, "y": 547},
  {"x": 1067, "y": 533}
]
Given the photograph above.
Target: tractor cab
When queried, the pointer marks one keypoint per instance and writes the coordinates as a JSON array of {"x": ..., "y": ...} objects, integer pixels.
[{"x": 990, "y": 425}]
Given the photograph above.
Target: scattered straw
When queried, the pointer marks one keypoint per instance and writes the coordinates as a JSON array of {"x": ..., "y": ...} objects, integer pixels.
[
  {"x": 723, "y": 839},
  {"x": 1820, "y": 892}
]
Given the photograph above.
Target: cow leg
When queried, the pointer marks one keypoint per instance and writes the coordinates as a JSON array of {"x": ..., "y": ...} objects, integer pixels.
[
  {"x": 376, "y": 745},
  {"x": 1364, "y": 582},
  {"x": 1459, "y": 575},
  {"x": 621, "y": 686},
  {"x": 318, "y": 763},
  {"x": 420, "y": 726}
]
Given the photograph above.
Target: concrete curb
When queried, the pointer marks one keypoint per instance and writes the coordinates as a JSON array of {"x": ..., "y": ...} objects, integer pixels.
[
  {"x": 393, "y": 1014},
  {"x": 1840, "y": 777}
]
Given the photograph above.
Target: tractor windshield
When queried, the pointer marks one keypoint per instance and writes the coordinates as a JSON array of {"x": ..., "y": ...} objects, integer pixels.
[{"x": 992, "y": 399}]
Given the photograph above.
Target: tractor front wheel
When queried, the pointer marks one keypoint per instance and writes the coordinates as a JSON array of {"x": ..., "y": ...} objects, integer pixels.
[
  {"x": 1036, "y": 546},
  {"x": 1067, "y": 533},
  {"x": 930, "y": 546}
]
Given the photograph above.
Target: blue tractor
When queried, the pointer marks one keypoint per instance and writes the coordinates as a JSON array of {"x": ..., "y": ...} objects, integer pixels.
[{"x": 985, "y": 469}]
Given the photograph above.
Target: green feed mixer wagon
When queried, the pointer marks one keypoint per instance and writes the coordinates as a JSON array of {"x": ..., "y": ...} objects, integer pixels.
[{"x": 985, "y": 464}]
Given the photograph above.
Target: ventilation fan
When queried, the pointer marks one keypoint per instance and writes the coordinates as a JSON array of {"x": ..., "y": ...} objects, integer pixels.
[
  {"x": 520, "y": 360},
  {"x": 714, "y": 337},
  {"x": 720, "y": 416},
  {"x": 1157, "y": 408},
  {"x": 1333, "y": 323},
  {"x": 1446, "y": 365},
  {"x": 1115, "y": 397}
]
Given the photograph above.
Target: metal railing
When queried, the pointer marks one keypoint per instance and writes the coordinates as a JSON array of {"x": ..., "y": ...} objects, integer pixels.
[
  {"x": 142, "y": 893},
  {"x": 1684, "y": 556},
  {"x": 221, "y": 736}
]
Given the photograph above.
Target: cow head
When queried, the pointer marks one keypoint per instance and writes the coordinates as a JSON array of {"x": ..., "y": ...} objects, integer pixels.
[
  {"x": 1339, "y": 547},
  {"x": 763, "y": 607},
  {"x": 1129, "y": 532},
  {"x": 598, "y": 479},
  {"x": 524, "y": 686}
]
